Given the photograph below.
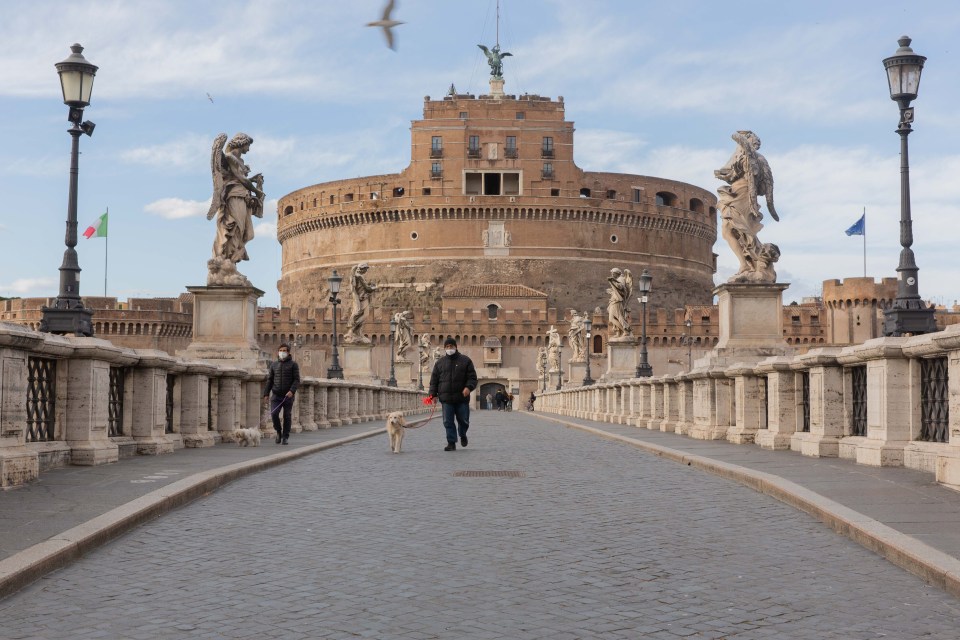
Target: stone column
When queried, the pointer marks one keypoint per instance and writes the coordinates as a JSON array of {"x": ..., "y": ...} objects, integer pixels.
[
  {"x": 748, "y": 393},
  {"x": 320, "y": 405},
  {"x": 656, "y": 404},
  {"x": 893, "y": 402},
  {"x": 230, "y": 409},
  {"x": 713, "y": 400},
  {"x": 305, "y": 400},
  {"x": 354, "y": 400},
  {"x": 643, "y": 405},
  {"x": 18, "y": 464},
  {"x": 948, "y": 461},
  {"x": 671, "y": 404},
  {"x": 194, "y": 396},
  {"x": 333, "y": 404},
  {"x": 826, "y": 405},
  {"x": 781, "y": 403},
  {"x": 256, "y": 415},
  {"x": 344, "y": 391},
  {"x": 685, "y": 405},
  {"x": 149, "y": 423}
]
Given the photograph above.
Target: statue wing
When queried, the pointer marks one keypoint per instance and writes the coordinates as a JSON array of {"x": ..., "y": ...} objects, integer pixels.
[
  {"x": 765, "y": 186},
  {"x": 217, "y": 169},
  {"x": 505, "y": 54},
  {"x": 486, "y": 51}
]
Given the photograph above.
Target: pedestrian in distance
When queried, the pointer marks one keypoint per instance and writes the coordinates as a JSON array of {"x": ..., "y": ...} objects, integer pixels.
[
  {"x": 453, "y": 379},
  {"x": 501, "y": 398},
  {"x": 283, "y": 380},
  {"x": 489, "y": 400},
  {"x": 533, "y": 398}
]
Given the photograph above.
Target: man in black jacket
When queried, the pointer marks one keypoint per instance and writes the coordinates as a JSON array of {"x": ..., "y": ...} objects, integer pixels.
[
  {"x": 452, "y": 380},
  {"x": 283, "y": 380}
]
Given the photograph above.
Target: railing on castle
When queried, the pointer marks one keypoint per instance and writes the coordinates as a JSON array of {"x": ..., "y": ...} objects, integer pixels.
[
  {"x": 85, "y": 401},
  {"x": 884, "y": 402}
]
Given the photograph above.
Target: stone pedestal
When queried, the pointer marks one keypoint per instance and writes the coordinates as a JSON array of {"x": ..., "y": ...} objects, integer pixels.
[
  {"x": 405, "y": 372},
  {"x": 622, "y": 360},
  {"x": 496, "y": 87},
  {"x": 224, "y": 327},
  {"x": 576, "y": 372},
  {"x": 554, "y": 380},
  {"x": 751, "y": 315},
  {"x": 358, "y": 363}
]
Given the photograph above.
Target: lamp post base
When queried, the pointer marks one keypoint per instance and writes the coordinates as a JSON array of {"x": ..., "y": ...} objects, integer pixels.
[
  {"x": 911, "y": 317},
  {"x": 644, "y": 370},
  {"x": 77, "y": 321}
]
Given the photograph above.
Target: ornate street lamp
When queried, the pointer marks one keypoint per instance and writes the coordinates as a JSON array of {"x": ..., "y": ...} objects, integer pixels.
[
  {"x": 392, "y": 382},
  {"x": 68, "y": 315},
  {"x": 909, "y": 314},
  {"x": 689, "y": 325},
  {"x": 334, "y": 371},
  {"x": 588, "y": 325},
  {"x": 644, "y": 370}
]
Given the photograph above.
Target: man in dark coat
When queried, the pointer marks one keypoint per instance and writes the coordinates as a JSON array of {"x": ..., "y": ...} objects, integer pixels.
[
  {"x": 501, "y": 396},
  {"x": 452, "y": 380},
  {"x": 283, "y": 380}
]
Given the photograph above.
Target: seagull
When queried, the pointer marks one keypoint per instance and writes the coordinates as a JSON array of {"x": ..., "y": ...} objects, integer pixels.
[
  {"x": 210, "y": 98},
  {"x": 387, "y": 24}
]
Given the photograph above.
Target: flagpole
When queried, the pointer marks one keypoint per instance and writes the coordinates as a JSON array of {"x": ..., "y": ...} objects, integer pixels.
[
  {"x": 864, "y": 242},
  {"x": 106, "y": 254}
]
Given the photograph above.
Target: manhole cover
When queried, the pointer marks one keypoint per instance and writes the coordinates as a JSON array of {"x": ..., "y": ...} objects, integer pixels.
[{"x": 489, "y": 474}]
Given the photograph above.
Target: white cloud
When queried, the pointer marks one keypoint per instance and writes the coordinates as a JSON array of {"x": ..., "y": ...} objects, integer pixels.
[
  {"x": 176, "y": 208},
  {"x": 189, "y": 152},
  {"x": 30, "y": 286},
  {"x": 265, "y": 230}
]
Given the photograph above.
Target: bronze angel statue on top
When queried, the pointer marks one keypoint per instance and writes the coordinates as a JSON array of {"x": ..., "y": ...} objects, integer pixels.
[
  {"x": 236, "y": 199},
  {"x": 748, "y": 176},
  {"x": 495, "y": 59}
]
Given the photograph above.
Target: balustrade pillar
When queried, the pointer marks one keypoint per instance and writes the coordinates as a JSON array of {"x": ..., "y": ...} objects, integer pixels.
[
  {"x": 194, "y": 396},
  {"x": 781, "y": 403}
]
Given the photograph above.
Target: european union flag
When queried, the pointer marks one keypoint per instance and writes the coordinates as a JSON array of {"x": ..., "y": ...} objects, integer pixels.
[{"x": 859, "y": 227}]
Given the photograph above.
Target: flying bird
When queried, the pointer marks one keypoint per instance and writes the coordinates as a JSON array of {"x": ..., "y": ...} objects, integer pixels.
[
  {"x": 210, "y": 98},
  {"x": 387, "y": 24}
]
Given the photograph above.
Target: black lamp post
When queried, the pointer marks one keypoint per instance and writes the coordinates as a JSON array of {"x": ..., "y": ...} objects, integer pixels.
[
  {"x": 543, "y": 379},
  {"x": 420, "y": 368},
  {"x": 392, "y": 382},
  {"x": 334, "y": 371},
  {"x": 588, "y": 325},
  {"x": 68, "y": 315},
  {"x": 560, "y": 367},
  {"x": 909, "y": 314},
  {"x": 689, "y": 325},
  {"x": 644, "y": 370}
]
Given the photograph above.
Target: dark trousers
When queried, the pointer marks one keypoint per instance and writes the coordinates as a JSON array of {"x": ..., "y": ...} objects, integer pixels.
[
  {"x": 275, "y": 413},
  {"x": 460, "y": 411}
]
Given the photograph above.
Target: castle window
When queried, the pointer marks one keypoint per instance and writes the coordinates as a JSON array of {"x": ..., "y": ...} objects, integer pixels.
[
  {"x": 548, "y": 170},
  {"x": 546, "y": 151},
  {"x": 636, "y": 194},
  {"x": 492, "y": 311},
  {"x": 314, "y": 203},
  {"x": 521, "y": 115},
  {"x": 426, "y": 191},
  {"x": 666, "y": 199},
  {"x": 696, "y": 205},
  {"x": 301, "y": 206},
  {"x": 436, "y": 147},
  {"x": 414, "y": 235},
  {"x": 473, "y": 147},
  {"x": 705, "y": 319},
  {"x": 287, "y": 211},
  {"x": 511, "y": 149},
  {"x": 463, "y": 115},
  {"x": 436, "y": 170},
  {"x": 584, "y": 192},
  {"x": 348, "y": 197},
  {"x": 397, "y": 192},
  {"x": 814, "y": 319},
  {"x": 611, "y": 194},
  {"x": 598, "y": 344},
  {"x": 795, "y": 319},
  {"x": 614, "y": 239},
  {"x": 555, "y": 193},
  {"x": 331, "y": 199}
]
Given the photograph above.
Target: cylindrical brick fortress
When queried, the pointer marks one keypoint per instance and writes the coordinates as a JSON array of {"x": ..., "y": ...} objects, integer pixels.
[{"x": 492, "y": 196}]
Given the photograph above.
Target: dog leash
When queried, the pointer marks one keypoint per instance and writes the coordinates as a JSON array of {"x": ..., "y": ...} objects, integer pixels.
[{"x": 433, "y": 410}]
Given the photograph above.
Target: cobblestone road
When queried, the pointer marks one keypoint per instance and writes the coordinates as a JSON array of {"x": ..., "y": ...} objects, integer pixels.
[{"x": 599, "y": 540}]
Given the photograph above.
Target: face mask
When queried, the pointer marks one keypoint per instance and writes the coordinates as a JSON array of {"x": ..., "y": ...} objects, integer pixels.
[
  {"x": 450, "y": 352},
  {"x": 283, "y": 355}
]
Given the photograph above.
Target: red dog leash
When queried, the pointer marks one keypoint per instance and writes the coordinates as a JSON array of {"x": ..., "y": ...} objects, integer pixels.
[{"x": 433, "y": 409}]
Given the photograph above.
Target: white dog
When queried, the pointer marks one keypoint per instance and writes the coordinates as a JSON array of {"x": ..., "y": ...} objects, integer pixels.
[
  {"x": 395, "y": 428},
  {"x": 248, "y": 437}
]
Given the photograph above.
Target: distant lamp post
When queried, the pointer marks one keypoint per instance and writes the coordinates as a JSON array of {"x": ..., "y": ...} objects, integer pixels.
[
  {"x": 392, "y": 382},
  {"x": 644, "y": 370},
  {"x": 420, "y": 368},
  {"x": 68, "y": 315},
  {"x": 689, "y": 339},
  {"x": 560, "y": 367},
  {"x": 334, "y": 371},
  {"x": 588, "y": 325},
  {"x": 909, "y": 314}
]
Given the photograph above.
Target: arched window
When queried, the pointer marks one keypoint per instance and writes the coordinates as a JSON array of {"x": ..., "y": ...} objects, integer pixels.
[
  {"x": 696, "y": 205},
  {"x": 492, "y": 311},
  {"x": 584, "y": 192},
  {"x": 287, "y": 210},
  {"x": 598, "y": 344},
  {"x": 666, "y": 199}
]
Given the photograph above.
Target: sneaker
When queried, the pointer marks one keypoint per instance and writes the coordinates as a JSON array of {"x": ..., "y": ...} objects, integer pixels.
[
  {"x": 452, "y": 446},
  {"x": 284, "y": 441},
  {"x": 278, "y": 439},
  {"x": 463, "y": 440}
]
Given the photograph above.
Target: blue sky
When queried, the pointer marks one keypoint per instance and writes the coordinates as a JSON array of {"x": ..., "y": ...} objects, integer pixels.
[{"x": 654, "y": 88}]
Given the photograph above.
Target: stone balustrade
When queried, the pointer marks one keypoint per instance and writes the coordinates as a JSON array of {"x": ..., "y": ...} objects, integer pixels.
[
  {"x": 886, "y": 402},
  {"x": 84, "y": 401}
]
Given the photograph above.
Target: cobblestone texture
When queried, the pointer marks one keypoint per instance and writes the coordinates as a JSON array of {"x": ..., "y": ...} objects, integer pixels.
[{"x": 599, "y": 540}]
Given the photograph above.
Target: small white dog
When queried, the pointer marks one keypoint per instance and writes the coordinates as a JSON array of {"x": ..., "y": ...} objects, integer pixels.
[
  {"x": 248, "y": 437},
  {"x": 395, "y": 428}
]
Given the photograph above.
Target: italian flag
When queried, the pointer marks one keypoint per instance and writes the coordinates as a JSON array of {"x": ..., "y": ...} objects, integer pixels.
[{"x": 98, "y": 229}]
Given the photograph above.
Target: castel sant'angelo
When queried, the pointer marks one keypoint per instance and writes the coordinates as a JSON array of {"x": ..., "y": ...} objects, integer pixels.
[{"x": 493, "y": 235}]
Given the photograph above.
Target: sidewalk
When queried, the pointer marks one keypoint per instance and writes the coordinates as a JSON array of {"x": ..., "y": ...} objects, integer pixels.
[{"x": 902, "y": 514}]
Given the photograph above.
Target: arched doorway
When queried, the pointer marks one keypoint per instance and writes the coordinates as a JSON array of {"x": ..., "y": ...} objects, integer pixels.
[{"x": 491, "y": 388}]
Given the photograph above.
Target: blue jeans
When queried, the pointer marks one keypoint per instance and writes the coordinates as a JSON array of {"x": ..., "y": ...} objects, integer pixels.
[{"x": 461, "y": 411}]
